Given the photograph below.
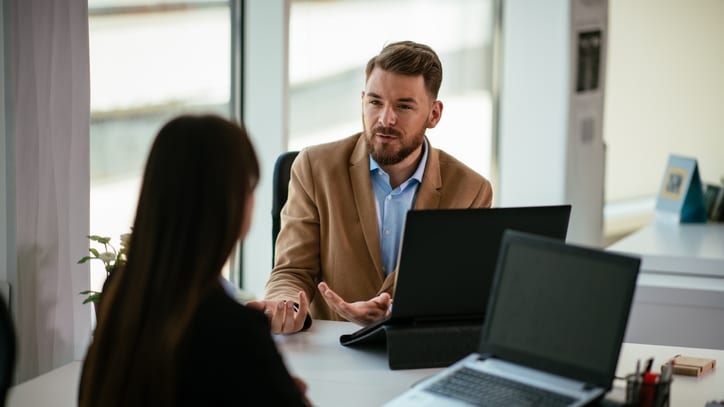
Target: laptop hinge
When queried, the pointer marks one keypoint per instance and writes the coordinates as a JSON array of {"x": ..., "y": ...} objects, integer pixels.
[
  {"x": 449, "y": 319},
  {"x": 484, "y": 356},
  {"x": 589, "y": 386}
]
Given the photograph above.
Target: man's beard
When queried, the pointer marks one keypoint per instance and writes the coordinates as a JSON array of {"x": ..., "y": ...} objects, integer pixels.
[{"x": 387, "y": 153}]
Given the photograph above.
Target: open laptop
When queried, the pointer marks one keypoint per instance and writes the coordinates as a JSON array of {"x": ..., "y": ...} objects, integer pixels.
[
  {"x": 447, "y": 261},
  {"x": 555, "y": 324}
]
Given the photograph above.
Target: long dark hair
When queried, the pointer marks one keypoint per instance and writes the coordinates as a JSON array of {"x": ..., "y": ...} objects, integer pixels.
[{"x": 198, "y": 177}]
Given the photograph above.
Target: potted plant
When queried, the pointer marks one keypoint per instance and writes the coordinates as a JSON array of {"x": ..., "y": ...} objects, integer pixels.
[{"x": 111, "y": 257}]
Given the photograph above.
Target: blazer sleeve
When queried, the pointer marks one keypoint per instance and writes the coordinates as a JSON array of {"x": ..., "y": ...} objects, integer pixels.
[
  {"x": 297, "y": 258},
  {"x": 484, "y": 198}
]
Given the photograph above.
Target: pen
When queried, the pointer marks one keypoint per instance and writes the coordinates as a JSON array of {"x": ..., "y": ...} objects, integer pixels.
[
  {"x": 648, "y": 389},
  {"x": 649, "y": 363},
  {"x": 668, "y": 370},
  {"x": 638, "y": 367}
]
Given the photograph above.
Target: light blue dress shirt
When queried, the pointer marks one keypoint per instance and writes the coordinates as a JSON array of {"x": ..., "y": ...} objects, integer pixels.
[{"x": 392, "y": 206}]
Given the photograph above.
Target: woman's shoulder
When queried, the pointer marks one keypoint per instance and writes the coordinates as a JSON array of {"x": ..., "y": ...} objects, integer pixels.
[
  {"x": 222, "y": 328},
  {"x": 225, "y": 340}
]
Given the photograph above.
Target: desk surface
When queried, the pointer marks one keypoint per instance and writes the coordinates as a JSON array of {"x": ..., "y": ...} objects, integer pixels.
[
  {"x": 678, "y": 248},
  {"x": 681, "y": 284},
  {"x": 59, "y": 387},
  {"x": 342, "y": 376},
  {"x": 338, "y": 375}
]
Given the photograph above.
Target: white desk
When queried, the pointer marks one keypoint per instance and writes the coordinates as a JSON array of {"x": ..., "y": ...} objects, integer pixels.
[
  {"x": 59, "y": 387},
  {"x": 341, "y": 376},
  {"x": 678, "y": 249},
  {"x": 338, "y": 375},
  {"x": 680, "y": 291}
]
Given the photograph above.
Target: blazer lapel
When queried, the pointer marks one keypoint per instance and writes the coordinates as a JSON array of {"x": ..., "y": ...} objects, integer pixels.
[
  {"x": 428, "y": 194},
  {"x": 365, "y": 200}
]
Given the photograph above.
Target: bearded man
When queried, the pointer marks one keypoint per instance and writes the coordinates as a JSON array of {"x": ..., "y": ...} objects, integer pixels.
[{"x": 336, "y": 252}]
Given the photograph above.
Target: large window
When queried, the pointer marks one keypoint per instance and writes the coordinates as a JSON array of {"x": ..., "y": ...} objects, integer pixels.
[
  {"x": 150, "y": 60},
  {"x": 331, "y": 42},
  {"x": 153, "y": 59}
]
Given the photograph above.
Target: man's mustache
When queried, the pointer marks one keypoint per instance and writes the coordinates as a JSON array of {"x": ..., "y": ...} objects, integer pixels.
[{"x": 388, "y": 131}]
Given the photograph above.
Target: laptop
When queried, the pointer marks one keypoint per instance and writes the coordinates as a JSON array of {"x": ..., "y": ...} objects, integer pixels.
[
  {"x": 446, "y": 264},
  {"x": 553, "y": 331}
]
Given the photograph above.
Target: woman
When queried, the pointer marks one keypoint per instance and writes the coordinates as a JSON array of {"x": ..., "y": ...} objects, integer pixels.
[{"x": 168, "y": 333}]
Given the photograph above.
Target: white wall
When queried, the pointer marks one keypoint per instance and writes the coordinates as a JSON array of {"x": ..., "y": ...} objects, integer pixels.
[
  {"x": 545, "y": 157},
  {"x": 665, "y": 92}
]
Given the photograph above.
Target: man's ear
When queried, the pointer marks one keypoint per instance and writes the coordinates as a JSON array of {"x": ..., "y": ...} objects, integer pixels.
[{"x": 435, "y": 114}]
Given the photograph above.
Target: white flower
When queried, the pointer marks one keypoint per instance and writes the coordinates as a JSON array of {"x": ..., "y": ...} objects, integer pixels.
[
  {"x": 107, "y": 257},
  {"x": 112, "y": 259}
]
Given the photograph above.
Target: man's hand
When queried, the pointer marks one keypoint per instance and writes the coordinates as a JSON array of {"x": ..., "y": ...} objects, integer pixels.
[
  {"x": 283, "y": 317},
  {"x": 360, "y": 312}
]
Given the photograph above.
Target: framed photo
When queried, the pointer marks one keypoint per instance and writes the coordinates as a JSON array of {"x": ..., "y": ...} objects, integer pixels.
[
  {"x": 682, "y": 197},
  {"x": 674, "y": 183}
]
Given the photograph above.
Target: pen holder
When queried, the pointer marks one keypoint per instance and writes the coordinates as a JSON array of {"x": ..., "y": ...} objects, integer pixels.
[{"x": 647, "y": 393}]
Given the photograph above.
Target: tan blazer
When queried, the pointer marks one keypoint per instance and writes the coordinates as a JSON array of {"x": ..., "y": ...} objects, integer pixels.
[{"x": 329, "y": 226}]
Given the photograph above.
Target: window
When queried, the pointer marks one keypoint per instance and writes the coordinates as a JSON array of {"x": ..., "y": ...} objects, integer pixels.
[
  {"x": 150, "y": 61},
  {"x": 331, "y": 42}
]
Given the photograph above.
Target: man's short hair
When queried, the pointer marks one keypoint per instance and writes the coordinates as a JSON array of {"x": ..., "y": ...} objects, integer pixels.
[{"x": 412, "y": 59}]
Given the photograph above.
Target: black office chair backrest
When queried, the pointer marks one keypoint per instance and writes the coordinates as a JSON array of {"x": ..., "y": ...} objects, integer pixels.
[
  {"x": 282, "y": 172},
  {"x": 7, "y": 350}
]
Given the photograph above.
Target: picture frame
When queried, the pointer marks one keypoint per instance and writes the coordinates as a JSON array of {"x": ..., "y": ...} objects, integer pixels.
[{"x": 681, "y": 196}]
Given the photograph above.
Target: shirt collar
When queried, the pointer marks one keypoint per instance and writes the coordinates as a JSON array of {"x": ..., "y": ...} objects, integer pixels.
[{"x": 419, "y": 172}]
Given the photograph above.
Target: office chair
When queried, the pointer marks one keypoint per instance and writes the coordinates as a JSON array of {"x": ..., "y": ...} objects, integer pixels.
[
  {"x": 280, "y": 190},
  {"x": 7, "y": 350}
]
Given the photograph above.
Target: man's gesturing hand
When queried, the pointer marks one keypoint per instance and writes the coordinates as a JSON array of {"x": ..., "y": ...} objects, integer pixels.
[{"x": 360, "y": 312}]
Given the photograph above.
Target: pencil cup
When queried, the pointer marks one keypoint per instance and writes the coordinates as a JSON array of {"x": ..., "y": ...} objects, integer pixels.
[{"x": 653, "y": 392}]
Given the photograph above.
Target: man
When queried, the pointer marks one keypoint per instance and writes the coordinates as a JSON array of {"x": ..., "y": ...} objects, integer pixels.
[{"x": 342, "y": 224}]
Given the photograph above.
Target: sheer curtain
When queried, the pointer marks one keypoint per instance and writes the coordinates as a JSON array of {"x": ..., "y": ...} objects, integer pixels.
[{"x": 47, "y": 111}]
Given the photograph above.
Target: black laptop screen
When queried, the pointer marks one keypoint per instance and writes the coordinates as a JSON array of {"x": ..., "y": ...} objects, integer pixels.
[
  {"x": 560, "y": 308},
  {"x": 447, "y": 256}
]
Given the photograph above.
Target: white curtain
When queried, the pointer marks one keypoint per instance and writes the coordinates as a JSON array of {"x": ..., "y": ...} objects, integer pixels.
[{"x": 48, "y": 109}]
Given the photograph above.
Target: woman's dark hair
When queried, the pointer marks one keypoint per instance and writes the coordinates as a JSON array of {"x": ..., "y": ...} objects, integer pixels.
[{"x": 199, "y": 175}]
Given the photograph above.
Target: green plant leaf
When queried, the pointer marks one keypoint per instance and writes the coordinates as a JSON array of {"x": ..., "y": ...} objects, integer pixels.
[
  {"x": 99, "y": 239},
  {"x": 95, "y": 252},
  {"x": 84, "y": 259},
  {"x": 92, "y": 298}
]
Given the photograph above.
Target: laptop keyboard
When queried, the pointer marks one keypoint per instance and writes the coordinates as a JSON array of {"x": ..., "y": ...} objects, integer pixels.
[{"x": 482, "y": 389}]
